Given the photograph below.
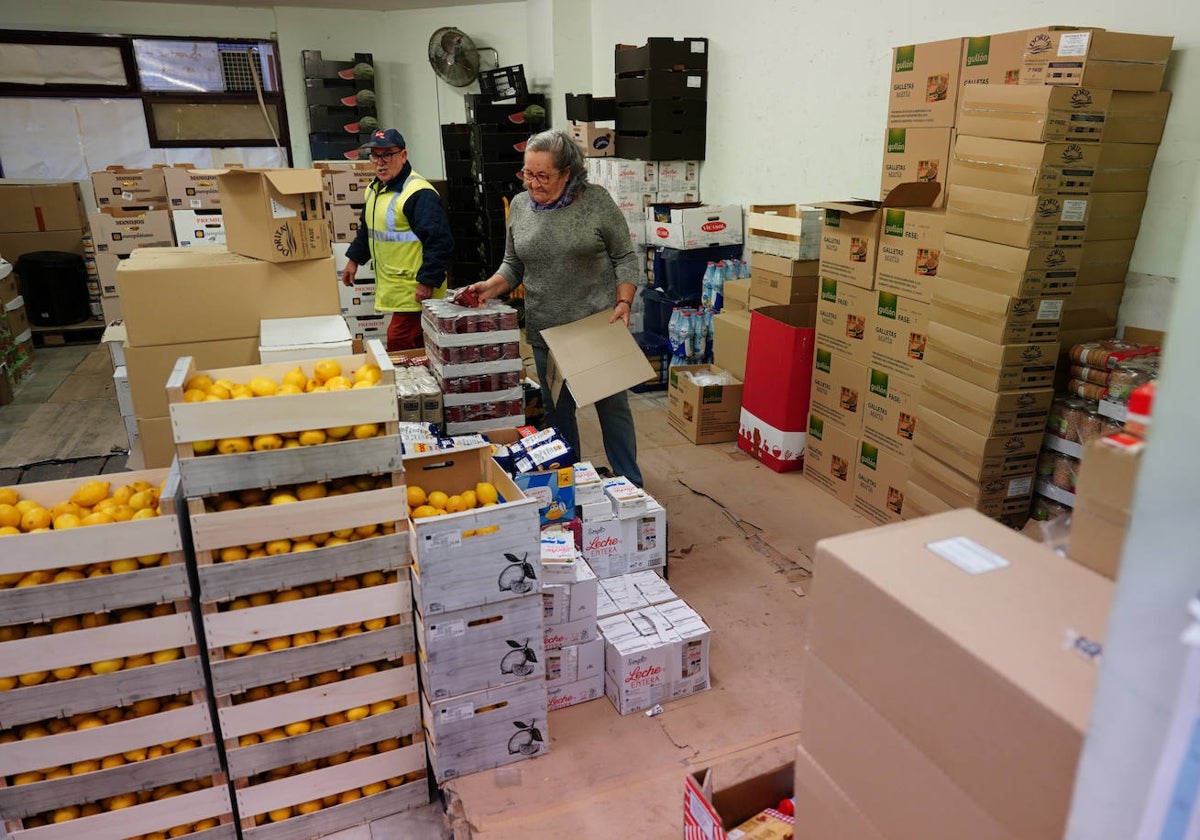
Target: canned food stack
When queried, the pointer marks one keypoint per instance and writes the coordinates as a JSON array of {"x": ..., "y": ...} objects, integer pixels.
[
  {"x": 474, "y": 353},
  {"x": 303, "y": 591},
  {"x": 476, "y": 580},
  {"x": 118, "y": 718}
]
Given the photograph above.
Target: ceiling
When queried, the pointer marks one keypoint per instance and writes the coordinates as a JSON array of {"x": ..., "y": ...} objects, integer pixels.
[{"x": 364, "y": 5}]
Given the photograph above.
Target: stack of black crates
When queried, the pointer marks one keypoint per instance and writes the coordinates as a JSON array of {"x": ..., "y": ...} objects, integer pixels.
[
  {"x": 341, "y": 104},
  {"x": 662, "y": 99},
  {"x": 482, "y": 159}
]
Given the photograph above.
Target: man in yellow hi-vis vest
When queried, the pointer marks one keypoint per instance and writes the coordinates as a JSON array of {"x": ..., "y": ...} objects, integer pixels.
[{"x": 406, "y": 234}]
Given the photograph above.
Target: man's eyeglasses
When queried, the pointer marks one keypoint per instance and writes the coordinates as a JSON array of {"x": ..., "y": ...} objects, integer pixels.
[
  {"x": 377, "y": 156},
  {"x": 542, "y": 178}
]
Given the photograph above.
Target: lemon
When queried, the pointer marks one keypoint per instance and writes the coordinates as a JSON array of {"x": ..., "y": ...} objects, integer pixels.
[
  {"x": 357, "y": 713},
  {"x": 455, "y": 504},
  {"x": 338, "y": 432},
  {"x": 438, "y": 499},
  {"x": 265, "y": 443},
  {"x": 309, "y": 807},
  {"x": 241, "y": 392},
  {"x": 122, "y": 513},
  {"x": 308, "y": 637},
  {"x": 338, "y": 383},
  {"x": 469, "y": 500},
  {"x": 264, "y": 386},
  {"x": 225, "y": 382},
  {"x": 289, "y": 388},
  {"x": 326, "y": 369},
  {"x": 219, "y": 392},
  {"x": 98, "y": 518},
  {"x": 146, "y": 513},
  {"x": 67, "y": 520},
  {"x": 9, "y": 496},
  {"x": 295, "y": 376},
  {"x": 281, "y": 497},
  {"x": 142, "y": 500},
  {"x": 369, "y": 373},
  {"x": 366, "y": 530},
  {"x": 300, "y": 727},
  {"x": 199, "y": 382},
  {"x": 193, "y": 395},
  {"x": 231, "y": 554},
  {"x": 7, "y": 531},
  {"x": 363, "y": 431},
  {"x": 107, "y": 666},
  {"x": 280, "y": 814},
  {"x": 10, "y": 517},
  {"x": 204, "y": 447},
  {"x": 486, "y": 493},
  {"x": 35, "y": 519},
  {"x": 304, "y": 545},
  {"x": 311, "y": 490},
  {"x": 312, "y": 437},
  {"x": 228, "y": 446},
  {"x": 276, "y": 547},
  {"x": 26, "y": 505}
]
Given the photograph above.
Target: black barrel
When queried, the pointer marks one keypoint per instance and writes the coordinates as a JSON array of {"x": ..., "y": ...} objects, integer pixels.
[{"x": 54, "y": 286}]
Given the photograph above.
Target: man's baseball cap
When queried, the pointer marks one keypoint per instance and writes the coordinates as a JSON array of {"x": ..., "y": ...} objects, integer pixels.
[{"x": 385, "y": 138}]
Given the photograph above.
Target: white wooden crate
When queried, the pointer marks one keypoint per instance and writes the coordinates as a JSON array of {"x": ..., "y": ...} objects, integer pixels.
[
  {"x": 213, "y": 802},
  {"x": 784, "y": 230},
  {"x": 460, "y": 567}
]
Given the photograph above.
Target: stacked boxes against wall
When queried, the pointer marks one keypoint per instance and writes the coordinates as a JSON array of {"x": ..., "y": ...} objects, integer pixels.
[
  {"x": 310, "y": 633},
  {"x": 344, "y": 188},
  {"x": 476, "y": 581},
  {"x": 195, "y": 202},
  {"x": 662, "y": 99},
  {"x": 134, "y": 211},
  {"x": 16, "y": 334},
  {"x": 474, "y": 354},
  {"x": 1046, "y": 189},
  {"x": 280, "y": 268},
  {"x": 341, "y": 104},
  {"x": 117, "y": 720}
]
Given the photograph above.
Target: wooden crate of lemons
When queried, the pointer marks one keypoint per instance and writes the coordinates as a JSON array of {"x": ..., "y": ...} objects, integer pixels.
[{"x": 103, "y": 702}]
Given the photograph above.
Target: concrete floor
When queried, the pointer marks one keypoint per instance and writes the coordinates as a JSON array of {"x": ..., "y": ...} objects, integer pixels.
[{"x": 51, "y": 366}]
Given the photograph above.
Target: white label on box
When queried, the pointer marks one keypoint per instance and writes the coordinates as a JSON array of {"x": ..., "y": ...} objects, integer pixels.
[
  {"x": 448, "y": 630},
  {"x": 1050, "y": 310},
  {"x": 450, "y": 539},
  {"x": 694, "y": 81},
  {"x": 279, "y": 211},
  {"x": 196, "y": 203},
  {"x": 1074, "y": 210},
  {"x": 1073, "y": 43},
  {"x": 128, "y": 196},
  {"x": 697, "y": 46},
  {"x": 451, "y": 714},
  {"x": 1020, "y": 487},
  {"x": 968, "y": 555}
]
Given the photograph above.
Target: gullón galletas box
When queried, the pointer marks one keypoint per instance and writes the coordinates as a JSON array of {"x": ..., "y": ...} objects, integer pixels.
[
  {"x": 879, "y": 479},
  {"x": 1006, "y": 270},
  {"x": 829, "y": 459},
  {"x": 915, "y": 154},
  {"x": 910, "y": 249},
  {"x": 890, "y": 418},
  {"x": 991, "y": 60},
  {"x": 838, "y": 387},
  {"x": 844, "y": 319},
  {"x": 898, "y": 335},
  {"x": 924, "y": 85}
]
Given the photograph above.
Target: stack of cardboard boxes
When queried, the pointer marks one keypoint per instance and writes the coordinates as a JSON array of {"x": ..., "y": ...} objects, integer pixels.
[
  {"x": 16, "y": 336},
  {"x": 1047, "y": 184},
  {"x": 195, "y": 206},
  {"x": 585, "y": 112},
  {"x": 344, "y": 190}
]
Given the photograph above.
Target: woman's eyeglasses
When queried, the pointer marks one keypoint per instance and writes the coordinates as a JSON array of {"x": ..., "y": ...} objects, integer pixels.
[
  {"x": 377, "y": 156},
  {"x": 542, "y": 178}
]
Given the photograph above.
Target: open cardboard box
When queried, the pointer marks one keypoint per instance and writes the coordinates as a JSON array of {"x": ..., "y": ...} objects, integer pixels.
[
  {"x": 708, "y": 812},
  {"x": 594, "y": 359}
]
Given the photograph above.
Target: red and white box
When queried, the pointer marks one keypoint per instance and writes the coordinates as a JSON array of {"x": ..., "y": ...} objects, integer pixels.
[
  {"x": 655, "y": 655},
  {"x": 615, "y": 546},
  {"x": 560, "y": 695}
]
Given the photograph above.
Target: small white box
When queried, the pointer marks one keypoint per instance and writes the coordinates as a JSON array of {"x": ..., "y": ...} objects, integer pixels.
[
  {"x": 619, "y": 546},
  {"x": 678, "y": 176},
  {"x": 124, "y": 395},
  {"x": 605, "y": 605},
  {"x": 694, "y": 227},
  {"x": 625, "y": 594},
  {"x": 598, "y": 510},
  {"x": 575, "y": 662},
  {"x": 628, "y": 500},
  {"x": 203, "y": 229},
  {"x": 357, "y": 301},
  {"x": 559, "y": 695},
  {"x": 559, "y": 555},
  {"x": 571, "y": 633},
  {"x": 314, "y": 337},
  {"x": 654, "y": 655},
  {"x": 679, "y": 197},
  {"x": 621, "y": 176},
  {"x": 114, "y": 339},
  {"x": 571, "y": 600},
  {"x": 366, "y": 327},
  {"x": 652, "y": 587},
  {"x": 588, "y": 485}
]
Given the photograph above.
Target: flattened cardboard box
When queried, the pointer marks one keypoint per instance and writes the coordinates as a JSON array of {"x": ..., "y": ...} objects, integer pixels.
[
  {"x": 991, "y": 496},
  {"x": 994, "y": 317},
  {"x": 879, "y": 480},
  {"x": 594, "y": 358},
  {"x": 1097, "y": 59},
  {"x": 844, "y": 319},
  {"x": 1043, "y": 114},
  {"x": 974, "y": 455},
  {"x": 924, "y": 85},
  {"x": 1025, "y": 221},
  {"x": 916, "y": 154},
  {"x": 277, "y": 215},
  {"x": 829, "y": 455},
  {"x": 1016, "y": 166},
  {"x": 910, "y": 250},
  {"x": 1006, "y": 270},
  {"x": 974, "y": 614},
  {"x": 899, "y": 327},
  {"x": 983, "y": 410},
  {"x": 995, "y": 367},
  {"x": 891, "y": 415},
  {"x": 36, "y": 208},
  {"x": 838, "y": 389},
  {"x": 703, "y": 414}
]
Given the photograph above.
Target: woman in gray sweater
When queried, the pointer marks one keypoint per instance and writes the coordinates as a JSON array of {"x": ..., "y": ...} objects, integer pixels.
[{"x": 569, "y": 245}]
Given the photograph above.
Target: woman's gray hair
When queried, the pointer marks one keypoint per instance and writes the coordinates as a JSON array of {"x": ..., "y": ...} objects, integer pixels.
[{"x": 565, "y": 153}]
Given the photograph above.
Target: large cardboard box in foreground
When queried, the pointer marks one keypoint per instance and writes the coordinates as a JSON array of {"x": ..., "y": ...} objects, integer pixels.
[
  {"x": 276, "y": 215},
  {"x": 827, "y": 810},
  {"x": 775, "y": 395},
  {"x": 172, "y": 295},
  {"x": 1096, "y": 59},
  {"x": 703, "y": 413},
  {"x": 975, "y": 673},
  {"x": 1045, "y": 114},
  {"x": 924, "y": 87}
]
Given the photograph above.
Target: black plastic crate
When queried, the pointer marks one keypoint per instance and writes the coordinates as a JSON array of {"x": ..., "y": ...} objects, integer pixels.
[
  {"x": 656, "y": 315},
  {"x": 679, "y": 274},
  {"x": 662, "y": 84},
  {"x": 503, "y": 82},
  {"x": 458, "y": 171},
  {"x": 343, "y": 92},
  {"x": 333, "y": 147},
  {"x": 316, "y": 67},
  {"x": 491, "y": 146},
  {"x": 662, "y": 54},
  {"x": 658, "y": 353},
  {"x": 465, "y": 273},
  {"x": 456, "y": 136},
  {"x": 325, "y": 119},
  {"x": 664, "y": 115},
  {"x": 583, "y": 107},
  {"x": 482, "y": 109},
  {"x": 662, "y": 145},
  {"x": 496, "y": 171},
  {"x": 459, "y": 197}
]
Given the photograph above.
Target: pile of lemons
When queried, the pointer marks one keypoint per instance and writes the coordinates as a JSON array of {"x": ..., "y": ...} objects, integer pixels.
[
  {"x": 439, "y": 503},
  {"x": 129, "y": 800},
  {"x": 326, "y": 376}
]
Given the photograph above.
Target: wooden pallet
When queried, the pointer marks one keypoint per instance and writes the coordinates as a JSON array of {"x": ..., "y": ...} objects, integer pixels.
[{"x": 87, "y": 332}]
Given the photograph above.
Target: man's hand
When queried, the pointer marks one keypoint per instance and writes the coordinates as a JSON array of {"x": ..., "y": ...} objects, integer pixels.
[
  {"x": 348, "y": 273},
  {"x": 423, "y": 292}
]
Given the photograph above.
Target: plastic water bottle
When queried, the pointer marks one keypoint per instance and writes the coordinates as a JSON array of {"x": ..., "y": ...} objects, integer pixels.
[
  {"x": 673, "y": 331},
  {"x": 696, "y": 353},
  {"x": 706, "y": 288},
  {"x": 723, "y": 273},
  {"x": 708, "y": 336},
  {"x": 743, "y": 270}
]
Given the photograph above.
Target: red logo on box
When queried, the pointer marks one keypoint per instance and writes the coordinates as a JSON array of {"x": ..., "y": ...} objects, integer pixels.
[
  {"x": 712, "y": 227},
  {"x": 662, "y": 232}
]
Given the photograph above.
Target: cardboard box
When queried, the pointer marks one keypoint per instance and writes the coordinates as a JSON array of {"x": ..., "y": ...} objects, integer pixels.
[
  {"x": 340, "y": 261},
  {"x": 731, "y": 338},
  {"x": 829, "y": 455},
  {"x": 1095, "y": 59},
  {"x": 1017, "y": 166},
  {"x": 1104, "y": 488},
  {"x": 655, "y": 655},
  {"x": 783, "y": 288},
  {"x": 786, "y": 231},
  {"x": 1093, "y": 306},
  {"x": 110, "y": 307},
  {"x": 703, "y": 414},
  {"x": 775, "y": 396},
  {"x": 879, "y": 480},
  {"x": 15, "y": 245},
  {"x": 194, "y": 229},
  {"x": 737, "y": 295},
  {"x": 594, "y": 358},
  {"x": 827, "y": 810},
  {"x": 998, "y": 318},
  {"x": 37, "y": 208},
  {"x": 884, "y": 773},
  {"x": 614, "y": 546},
  {"x": 890, "y": 418},
  {"x": 850, "y": 235},
  {"x": 910, "y": 249},
  {"x": 845, "y": 318},
  {"x": 560, "y": 695},
  {"x": 312, "y": 337},
  {"x": 120, "y": 187},
  {"x": 916, "y": 154},
  {"x": 117, "y": 231},
  {"x": 621, "y": 176},
  {"x": 709, "y": 811},
  {"x": 594, "y": 140},
  {"x": 124, "y": 394},
  {"x": 982, "y": 410},
  {"x": 553, "y": 489},
  {"x": 920, "y": 502},
  {"x": 104, "y": 268},
  {"x": 1025, "y": 221},
  {"x": 114, "y": 339},
  {"x": 277, "y": 215},
  {"x": 347, "y": 186},
  {"x": 1047, "y": 114},
  {"x": 1104, "y": 262},
  {"x": 344, "y": 221},
  {"x": 168, "y": 294},
  {"x": 366, "y": 327},
  {"x": 974, "y": 455},
  {"x": 924, "y": 86},
  {"x": 995, "y": 496},
  {"x": 1005, "y": 270},
  {"x": 838, "y": 390},
  {"x": 985, "y": 645},
  {"x": 150, "y": 367},
  {"x": 991, "y": 60},
  {"x": 896, "y": 343},
  {"x": 191, "y": 189},
  {"x": 559, "y": 636},
  {"x": 676, "y": 176},
  {"x": 574, "y": 663},
  {"x": 702, "y": 226},
  {"x": 992, "y": 366},
  {"x": 569, "y": 595},
  {"x": 156, "y": 442}
]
